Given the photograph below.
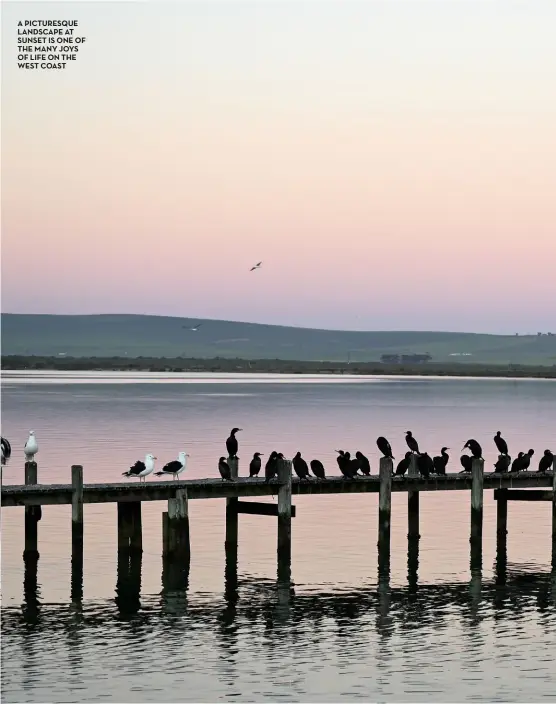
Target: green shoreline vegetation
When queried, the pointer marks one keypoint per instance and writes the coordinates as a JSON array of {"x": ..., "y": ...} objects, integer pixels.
[{"x": 272, "y": 366}]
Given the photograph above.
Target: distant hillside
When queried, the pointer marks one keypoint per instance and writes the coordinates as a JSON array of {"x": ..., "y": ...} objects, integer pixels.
[{"x": 156, "y": 336}]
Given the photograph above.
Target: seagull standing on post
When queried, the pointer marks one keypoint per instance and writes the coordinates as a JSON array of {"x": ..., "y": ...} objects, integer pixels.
[{"x": 31, "y": 447}]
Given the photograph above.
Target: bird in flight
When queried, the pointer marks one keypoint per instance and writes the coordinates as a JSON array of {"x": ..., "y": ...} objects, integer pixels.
[
  {"x": 194, "y": 328},
  {"x": 257, "y": 266}
]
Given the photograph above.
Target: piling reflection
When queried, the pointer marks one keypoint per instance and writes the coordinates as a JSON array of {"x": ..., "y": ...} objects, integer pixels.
[
  {"x": 278, "y": 607},
  {"x": 412, "y": 562},
  {"x": 76, "y": 590},
  {"x": 128, "y": 582}
]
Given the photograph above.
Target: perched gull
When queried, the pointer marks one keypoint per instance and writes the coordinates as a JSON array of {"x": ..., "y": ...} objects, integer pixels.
[
  {"x": 141, "y": 469},
  {"x": 257, "y": 266},
  {"x": 175, "y": 467},
  {"x": 31, "y": 447},
  {"x": 6, "y": 449}
]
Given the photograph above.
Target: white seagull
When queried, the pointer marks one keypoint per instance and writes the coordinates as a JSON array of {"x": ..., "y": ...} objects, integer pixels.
[
  {"x": 175, "y": 467},
  {"x": 257, "y": 266},
  {"x": 6, "y": 449},
  {"x": 194, "y": 328},
  {"x": 31, "y": 447},
  {"x": 141, "y": 469}
]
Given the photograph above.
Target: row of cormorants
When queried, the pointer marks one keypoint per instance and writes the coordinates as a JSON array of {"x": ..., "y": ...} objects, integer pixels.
[{"x": 350, "y": 467}]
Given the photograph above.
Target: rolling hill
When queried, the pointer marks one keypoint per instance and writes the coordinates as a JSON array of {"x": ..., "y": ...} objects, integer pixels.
[{"x": 158, "y": 336}]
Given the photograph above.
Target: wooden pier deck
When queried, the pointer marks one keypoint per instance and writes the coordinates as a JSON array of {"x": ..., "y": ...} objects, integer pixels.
[{"x": 244, "y": 487}]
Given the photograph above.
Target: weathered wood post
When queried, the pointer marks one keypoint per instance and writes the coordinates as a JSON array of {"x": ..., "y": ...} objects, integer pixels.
[
  {"x": 554, "y": 514},
  {"x": 501, "y": 519},
  {"x": 77, "y": 533},
  {"x": 175, "y": 527},
  {"x": 284, "y": 519},
  {"x": 33, "y": 515},
  {"x": 476, "y": 539},
  {"x": 130, "y": 536},
  {"x": 231, "y": 510},
  {"x": 413, "y": 503},
  {"x": 477, "y": 479},
  {"x": 384, "y": 514}
]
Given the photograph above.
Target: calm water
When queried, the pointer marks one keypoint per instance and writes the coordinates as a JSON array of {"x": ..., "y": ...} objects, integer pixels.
[{"x": 218, "y": 632}]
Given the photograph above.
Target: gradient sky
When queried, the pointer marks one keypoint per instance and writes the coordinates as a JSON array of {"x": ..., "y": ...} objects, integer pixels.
[{"x": 392, "y": 163}]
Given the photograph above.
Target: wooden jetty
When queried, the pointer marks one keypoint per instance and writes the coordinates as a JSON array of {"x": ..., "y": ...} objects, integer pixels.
[{"x": 525, "y": 486}]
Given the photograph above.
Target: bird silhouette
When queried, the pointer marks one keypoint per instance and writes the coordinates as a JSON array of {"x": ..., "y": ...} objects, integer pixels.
[
  {"x": 255, "y": 465},
  {"x": 440, "y": 461},
  {"x": 502, "y": 464},
  {"x": 224, "y": 469},
  {"x": 403, "y": 465},
  {"x": 232, "y": 444},
  {"x": 546, "y": 461},
  {"x": 300, "y": 466},
  {"x": 257, "y": 266},
  {"x": 466, "y": 462},
  {"x": 501, "y": 444},
  {"x": 384, "y": 447},
  {"x": 363, "y": 463},
  {"x": 411, "y": 442},
  {"x": 475, "y": 449},
  {"x": 317, "y": 468}
]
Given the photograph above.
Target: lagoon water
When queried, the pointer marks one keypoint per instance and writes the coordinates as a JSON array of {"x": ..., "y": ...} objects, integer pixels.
[{"x": 432, "y": 633}]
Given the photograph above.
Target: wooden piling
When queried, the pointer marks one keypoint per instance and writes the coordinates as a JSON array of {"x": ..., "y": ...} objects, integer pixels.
[
  {"x": 284, "y": 514},
  {"x": 501, "y": 518},
  {"x": 413, "y": 503},
  {"x": 77, "y": 533},
  {"x": 384, "y": 514},
  {"x": 554, "y": 515},
  {"x": 130, "y": 535},
  {"x": 477, "y": 480},
  {"x": 175, "y": 526},
  {"x": 232, "y": 510},
  {"x": 33, "y": 515}
]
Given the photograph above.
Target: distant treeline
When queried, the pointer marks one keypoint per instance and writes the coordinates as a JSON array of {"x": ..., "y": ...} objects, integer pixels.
[{"x": 275, "y": 366}]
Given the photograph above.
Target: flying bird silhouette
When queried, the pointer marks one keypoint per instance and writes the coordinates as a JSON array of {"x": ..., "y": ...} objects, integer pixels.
[
  {"x": 194, "y": 328},
  {"x": 257, "y": 266}
]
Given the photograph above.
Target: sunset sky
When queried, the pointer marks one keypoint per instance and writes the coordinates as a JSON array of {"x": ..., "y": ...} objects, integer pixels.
[{"x": 392, "y": 163}]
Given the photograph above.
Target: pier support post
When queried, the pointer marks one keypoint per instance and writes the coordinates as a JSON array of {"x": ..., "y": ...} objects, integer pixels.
[
  {"x": 477, "y": 479},
  {"x": 501, "y": 519},
  {"x": 413, "y": 503},
  {"x": 130, "y": 536},
  {"x": 77, "y": 533},
  {"x": 231, "y": 510},
  {"x": 554, "y": 515},
  {"x": 33, "y": 515},
  {"x": 175, "y": 527},
  {"x": 284, "y": 519},
  {"x": 384, "y": 514}
]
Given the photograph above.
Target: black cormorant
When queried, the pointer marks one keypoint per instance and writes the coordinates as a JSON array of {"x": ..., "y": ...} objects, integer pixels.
[
  {"x": 232, "y": 444},
  {"x": 271, "y": 466},
  {"x": 501, "y": 444},
  {"x": 300, "y": 466},
  {"x": 466, "y": 462},
  {"x": 475, "y": 449},
  {"x": 516, "y": 464},
  {"x": 224, "y": 469},
  {"x": 440, "y": 461},
  {"x": 364, "y": 464},
  {"x": 348, "y": 467},
  {"x": 425, "y": 465},
  {"x": 502, "y": 464},
  {"x": 411, "y": 442},
  {"x": 522, "y": 461},
  {"x": 546, "y": 461},
  {"x": 403, "y": 465},
  {"x": 317, "y": 468},
  {"x": 384, "y": 447},
  {"x": 255, "y": 465}
]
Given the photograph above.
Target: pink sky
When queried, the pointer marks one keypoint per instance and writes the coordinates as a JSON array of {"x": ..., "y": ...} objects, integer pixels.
[{"x": 392, "y": 164}]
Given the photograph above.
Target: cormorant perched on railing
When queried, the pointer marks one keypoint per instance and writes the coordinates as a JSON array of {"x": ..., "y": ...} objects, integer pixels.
[
  {"x": 440, "y": 461},
  {"x": 363, "y": 463},
  {"x": 271, "y": 466},
  {"x": 5, "y": 449},
  {"x": 403, "y": 465},
  {"x": 522, "y": 461},
  {"x": 546, "y": 461},
  {"x": 502, "y": 464},
  {"x": 501, "y": 444},
  {"x": 255, "y": 465},
  {"x": 317, "y": 468},
  {"x": 224, "y": 469},
  {"x": 425, "y": 464},
  {"x": 475, "y": 449},
  {"x": 411, "y": 442},
  {"x": 466, "y": 462},
  {"x": 384, "y": 447},
  {"x": 232, "y": 444},
  {"x": 348, "y": 467},
  {"x": 300, "y": 466}
]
